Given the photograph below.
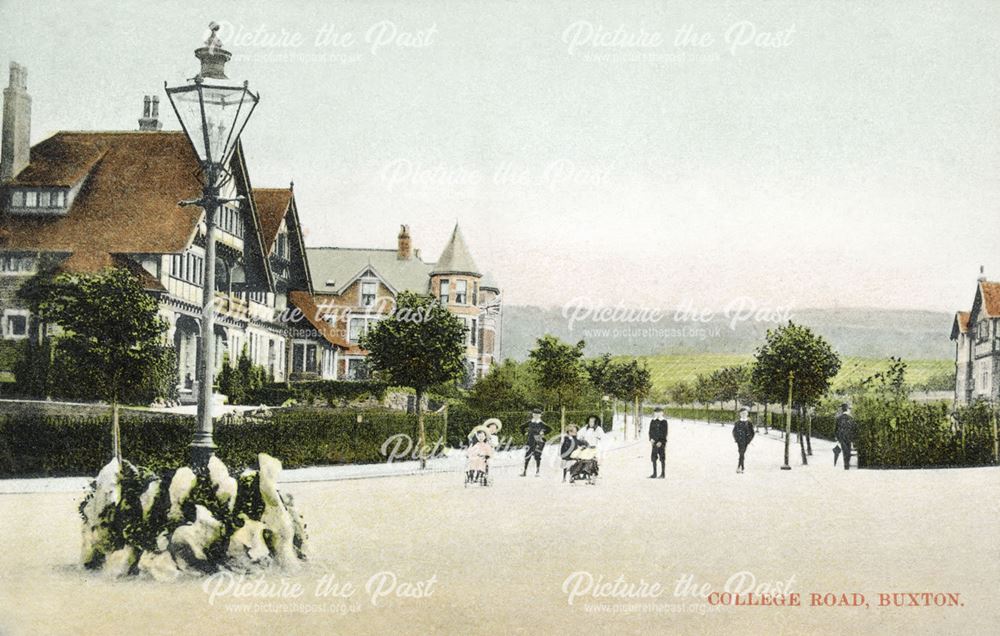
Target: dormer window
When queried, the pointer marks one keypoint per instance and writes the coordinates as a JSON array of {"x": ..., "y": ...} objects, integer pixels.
[{"x": 37, "y": 200}]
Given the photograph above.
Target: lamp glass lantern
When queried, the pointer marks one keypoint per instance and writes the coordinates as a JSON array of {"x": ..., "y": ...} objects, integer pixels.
[{"x": 213, "y": 117}]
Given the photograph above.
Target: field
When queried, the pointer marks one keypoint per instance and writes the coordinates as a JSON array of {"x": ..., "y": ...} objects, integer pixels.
[{"x": 668, "y": 370}]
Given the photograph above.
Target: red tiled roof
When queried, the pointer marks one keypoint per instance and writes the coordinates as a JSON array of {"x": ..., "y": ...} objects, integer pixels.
[
  {"x": 128, "y": 204},
  {"x": 272, "y": 204},
  {"x": 307, "y": 305},
  {"x": 991, "y": 297},
  {"x": 962, "y": 318}
]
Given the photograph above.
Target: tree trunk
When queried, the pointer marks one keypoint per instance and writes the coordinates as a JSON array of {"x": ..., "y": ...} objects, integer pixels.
[
  {"x": 788, "y": 419},
  {"x": 116, "y": 439},
  {"x": 421, "y": 434},
  {"x": 802, "y": 438},
  {"x": 638, "y": 418},
  {"x": 809, "y": 433},
  {"x": 562, "y": 423}
]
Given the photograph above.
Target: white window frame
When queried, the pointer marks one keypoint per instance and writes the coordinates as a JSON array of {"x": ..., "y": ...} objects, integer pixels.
[
  {"x": 461, "y": 291},
  {"x": 10, "y": 313},
  {"x": 361, "y": 292},
  {"x": 7, "y": 270}
]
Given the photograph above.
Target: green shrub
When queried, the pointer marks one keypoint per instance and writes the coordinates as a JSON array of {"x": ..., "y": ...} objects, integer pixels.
[{"x": 67, "y": 445}]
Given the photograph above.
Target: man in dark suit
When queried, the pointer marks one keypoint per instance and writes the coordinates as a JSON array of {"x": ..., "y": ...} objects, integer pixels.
[
  {"x": 658, "y": 442},
  {"x": 845, "y": 432},
  {"x": 743, "y": 434}
]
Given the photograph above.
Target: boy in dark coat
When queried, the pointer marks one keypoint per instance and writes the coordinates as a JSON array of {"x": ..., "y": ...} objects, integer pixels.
[
  {"x": 743, "y": 434},
  {"x": 535, "y": 432},
  {"x": 658, "y": 442}
]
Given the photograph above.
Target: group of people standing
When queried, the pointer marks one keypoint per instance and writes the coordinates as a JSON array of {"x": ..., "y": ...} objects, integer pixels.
[
  {"x": 743, "y": 434},
  {"x": 484, "y": 441}
]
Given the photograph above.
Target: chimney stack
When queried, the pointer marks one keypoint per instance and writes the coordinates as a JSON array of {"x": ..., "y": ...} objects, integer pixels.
[
  {"x": 982, "y": 274},
  {"x": 404, "y": 251},
  {"x": 150, "y": 119},
  {"x": 15, "y": 148}
]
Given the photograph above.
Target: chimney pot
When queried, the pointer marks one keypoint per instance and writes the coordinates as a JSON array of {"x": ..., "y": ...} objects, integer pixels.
[
  {"x": 404, "y": 250},
  {"x": 150, "y": 115},
  {"x": 15, "y": 143}
]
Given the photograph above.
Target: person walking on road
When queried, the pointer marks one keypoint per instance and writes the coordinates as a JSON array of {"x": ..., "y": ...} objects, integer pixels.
[
  {"x": 845, "y": 432},
  {"x": 658, "y": 442},
  {"x": 743, "y": 432},
  {"x": 535, "y": 432}
]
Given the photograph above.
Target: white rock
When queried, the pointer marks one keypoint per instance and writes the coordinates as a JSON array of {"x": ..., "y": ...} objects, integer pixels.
[
  {"x": 180, "y": 487},
  {"x": 193, "y": 538},
  {"x": 276, "y": 516},
  {"x": 118, "y": 563},
  {"x": 247, "y": 547},
  {"x": 225, "y": 485},
  {"x": 107, "y": 492},
  {"x": 148, "y": 496},
  {"x": 159, "y": 565}
]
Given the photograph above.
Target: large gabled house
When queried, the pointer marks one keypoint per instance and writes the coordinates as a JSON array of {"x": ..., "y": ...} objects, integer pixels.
[
  {"x": 976, "y": 334},
  {"x": 83, "y": 201},
  {"x": 355, "y": 287}
]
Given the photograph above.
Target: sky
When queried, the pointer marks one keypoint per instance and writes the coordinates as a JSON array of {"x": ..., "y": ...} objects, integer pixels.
[{"x": 651, "y": 154}]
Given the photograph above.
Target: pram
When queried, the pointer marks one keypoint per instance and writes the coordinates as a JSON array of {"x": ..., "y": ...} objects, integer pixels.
[
  {"x": 584, "y": 465},
  {"x": 477, "y": 471}
]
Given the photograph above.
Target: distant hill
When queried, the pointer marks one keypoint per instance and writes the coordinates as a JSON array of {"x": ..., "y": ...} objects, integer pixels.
[{"x": 867, "y": 333}]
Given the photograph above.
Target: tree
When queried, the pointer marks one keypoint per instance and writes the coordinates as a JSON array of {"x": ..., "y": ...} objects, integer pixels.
[
  {"x": 704, "y": 390},
  {"x": 558, "y": 368},
  {"x": 504, "y": 388},
  {"x": 112, "y": 341},
  {"x": 635, "y": 384},
  {"x": 794, "y": 362},
  {"x": 681, "y": 393},
  {"x": 419, "y": 345}
]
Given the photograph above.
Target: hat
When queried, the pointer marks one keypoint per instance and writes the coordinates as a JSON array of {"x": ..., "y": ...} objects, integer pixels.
[
  {"x": 658, "y": 409},
  {"x": 472, "y": 433},
  {"x": 495, "y": 421},
  {"x": 536, "y": 410},
  {"x": 845, "y": 406},
  {"x": 744, "y": 410},
  {"x": 572, "y": 428}
]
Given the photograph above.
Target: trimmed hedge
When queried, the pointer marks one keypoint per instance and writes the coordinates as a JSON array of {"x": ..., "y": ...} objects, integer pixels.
[
  {"x": 333, "y": 392},
  {"x": 902, "y": 434},
  {"x": 67, "y": 445}
]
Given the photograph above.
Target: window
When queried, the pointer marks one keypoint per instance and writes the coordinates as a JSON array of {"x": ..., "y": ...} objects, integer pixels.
[
  {"x": 983, "y": 330},
  {"x": 43, "y": 199},
  {"x": 357, "y": 369},
  {"x": 358, "y": 326},
  {"x": 30, "y": 199},
  {"x": 15, "y": 324},
  {"x": 188, "y": 267},
  {"x": 475, "y": 293},
  {"x": 368, "y": 289},
  {"x": 17, "y": 199},
  {"x": 444, "y": 291},
  {"x": 283, "y": 245},
  {"x": 357, "y": 329},
  {"x": 16, "y": 264},
  {"x": 472, "y": 332},
  {"x": 59, "y": 199},
  {"x": 461, "y": 290},
  {"x": 304, "y": 357}
]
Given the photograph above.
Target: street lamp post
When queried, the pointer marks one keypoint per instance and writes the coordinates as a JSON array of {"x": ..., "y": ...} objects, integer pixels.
[{"x": 212, "y": 111}]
